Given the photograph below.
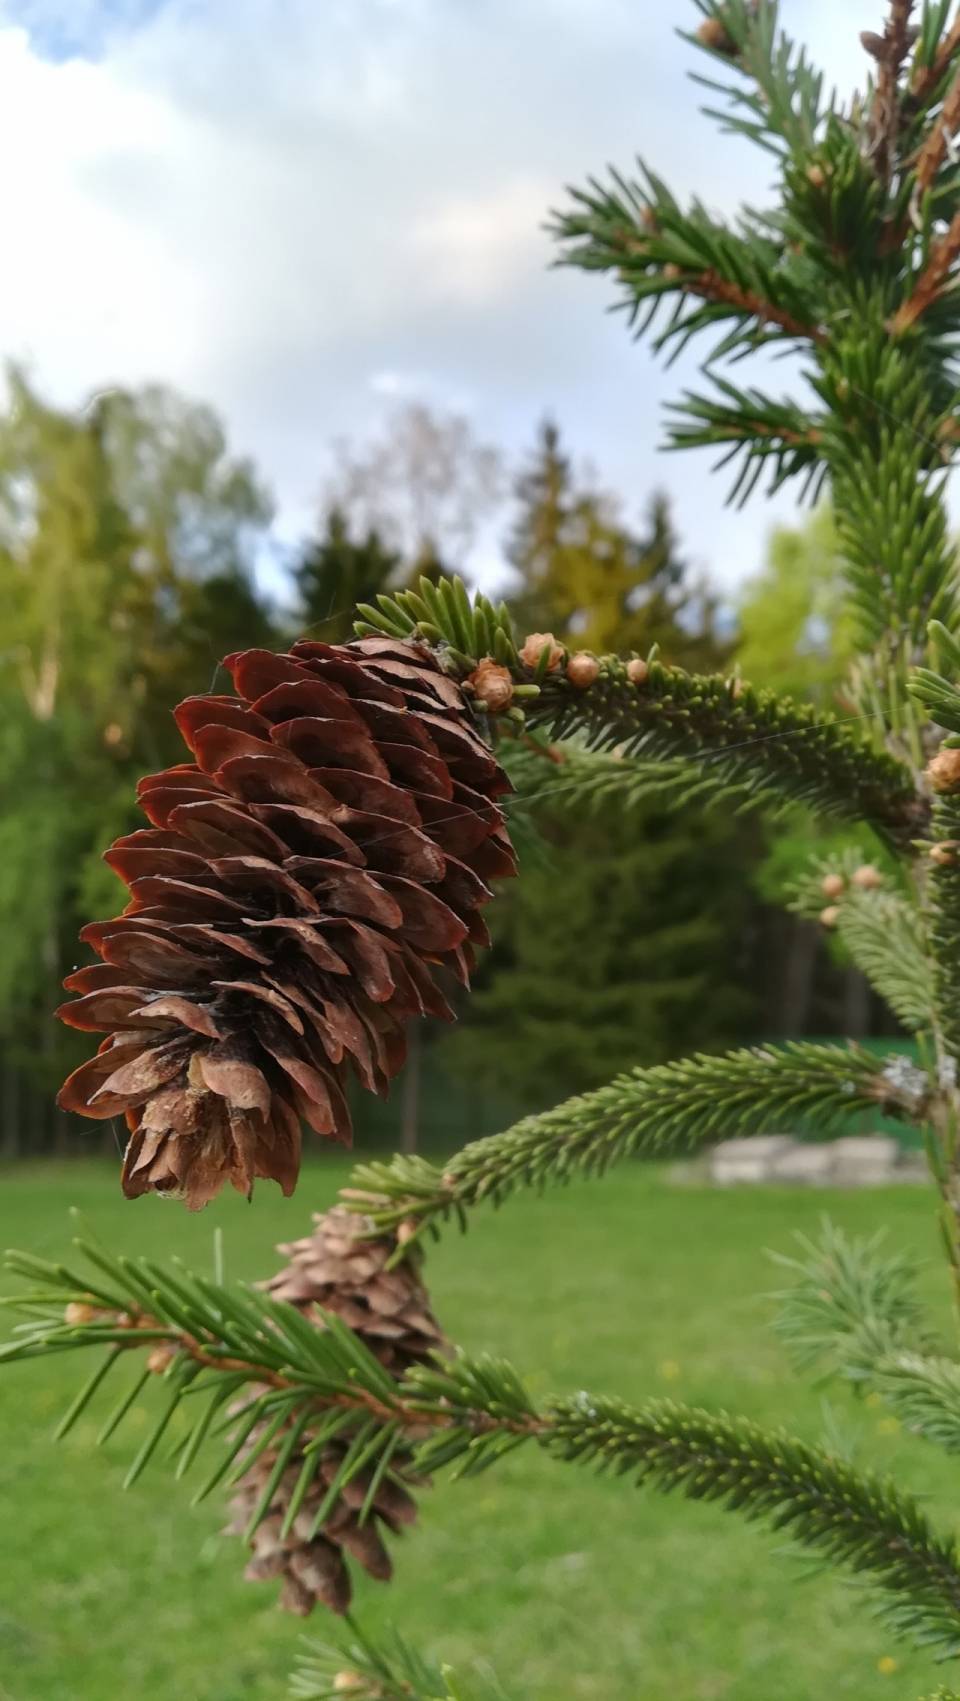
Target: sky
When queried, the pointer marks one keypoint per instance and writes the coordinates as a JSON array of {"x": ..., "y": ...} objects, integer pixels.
[{"x": 307, "y": 212}]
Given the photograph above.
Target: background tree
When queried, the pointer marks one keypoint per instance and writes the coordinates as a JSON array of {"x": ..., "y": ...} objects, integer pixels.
[
  {"x": 335, "y": 573},
  {"x": 586, "y": 577},
  {"x": 425, "y": 484},
  {"x": 632, "y": 935},
  {"x": 125, "y": 539}
]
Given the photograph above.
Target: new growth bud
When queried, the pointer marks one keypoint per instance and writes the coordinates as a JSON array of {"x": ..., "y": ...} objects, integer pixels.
[
  {"x": 582, "y": 669},
  {"x": 76, "y": 1312},
  {"x": 162, "y": 1355},
  {"x": 534, "y": 647},
  {"x": 493, "y": 686},
  {"x": 943, "y": 771},
  {"x": 832, "y": 885}
]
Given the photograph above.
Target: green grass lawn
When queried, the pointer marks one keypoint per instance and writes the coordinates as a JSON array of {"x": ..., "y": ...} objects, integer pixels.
[{"x": 572, "y": 1586}]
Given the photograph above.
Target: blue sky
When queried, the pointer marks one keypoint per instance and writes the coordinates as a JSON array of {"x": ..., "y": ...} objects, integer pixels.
[{"x": 306, "y": 211}]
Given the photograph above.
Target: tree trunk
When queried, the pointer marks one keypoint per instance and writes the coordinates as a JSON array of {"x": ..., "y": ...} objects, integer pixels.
[
  {"x": 856, "y": 1003},
  {"x": 410, "y": 1102},
  {"x": 11, "y": 1111},
  {"x": 796, "y": 986}
]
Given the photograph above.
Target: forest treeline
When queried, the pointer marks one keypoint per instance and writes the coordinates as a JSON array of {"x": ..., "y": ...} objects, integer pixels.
[{"x": 129, "y": 535}]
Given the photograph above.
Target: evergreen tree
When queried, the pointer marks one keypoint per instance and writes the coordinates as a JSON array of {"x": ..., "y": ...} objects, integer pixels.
[
  {"x": 795, "y": 631},
  {"x": 123, "y": 580},
  {"x": 629, "y": 939},
  {"x": 857, "y": 269},
  {"x": 335, "y": 573},
  {"x": 588, "y": 579},
  {"x": 631, "y": 936}
]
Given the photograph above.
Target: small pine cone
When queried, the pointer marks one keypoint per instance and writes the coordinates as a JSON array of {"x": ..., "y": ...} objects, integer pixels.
[
  {"x": 829, "y": 916},
  {"x": 833, "y": 885},
  {"x": 637, "y": 671},
  {"x": 943, "y": 854},
  {"x": 867, "y": 877},
  {"x": 337, "y": 1269},
  {"x": 340, "y": 1271},
  {"x": 333, "y": 840}
]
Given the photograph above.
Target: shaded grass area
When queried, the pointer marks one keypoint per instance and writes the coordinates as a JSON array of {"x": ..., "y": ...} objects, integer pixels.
[{"x": 571, "y": 1585}]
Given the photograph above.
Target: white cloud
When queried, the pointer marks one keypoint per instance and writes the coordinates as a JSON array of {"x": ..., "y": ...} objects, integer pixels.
[
  {"x": 476, "y": 249},
  {"x": 303, "y": 211}
]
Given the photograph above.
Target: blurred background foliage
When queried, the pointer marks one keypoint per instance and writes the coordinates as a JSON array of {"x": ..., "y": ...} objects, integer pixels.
[{"x": 129, "y": 535}]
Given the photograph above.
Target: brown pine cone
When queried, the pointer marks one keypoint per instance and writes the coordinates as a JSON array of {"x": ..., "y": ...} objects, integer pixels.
[
  {"x": 315, "y": 1569},
  {"x": 331, "y": 843},
  {"x": 339, "y": 1270}
]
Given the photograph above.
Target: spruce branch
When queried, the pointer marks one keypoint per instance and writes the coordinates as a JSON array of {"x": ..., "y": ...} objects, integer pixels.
[
  {"x": 935, "y": 148},
  {"x": 772, "y": 748},
  {"x": 932, "y": 281},
  {"x": 573, "y": 780},
  {"x": 883, "y": 929},
  {"x": 924, "y": 1393},
  {"x": 260, "y": 1373},
  {"x": 362, "y": 1668},
  {"x": 765, "y": 435},
  {"x": 856, "y": 1312},
  {"x": 472, "y": 1412},
  {"x": 936, "y": 52},
  {"x": 769, "y": 745},
  {"x": 848, "y": 1516},
  {"x": 668, "y": 1109},
  {"x": 742, "y": 282},
  {"x": 944, "y": 907},
  {"x": 851, "y": 1306},
  {"x": 779, "y": 103},
  {"x": 890, "y": 51}
]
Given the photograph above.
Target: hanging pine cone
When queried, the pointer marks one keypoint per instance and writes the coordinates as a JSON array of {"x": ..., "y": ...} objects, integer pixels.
[
  {"x": 332, "y": 842},
  {"x": 337, "y": 1269}
]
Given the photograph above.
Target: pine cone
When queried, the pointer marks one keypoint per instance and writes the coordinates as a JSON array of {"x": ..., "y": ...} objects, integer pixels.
[
  {"x": 331, "y": 843},
  {"x": 337, "y": 1269}
]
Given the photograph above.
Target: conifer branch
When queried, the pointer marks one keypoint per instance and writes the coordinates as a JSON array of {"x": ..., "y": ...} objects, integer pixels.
[
  {"x": 884, "y": 930},
  {"x": 658, "y": 1112},
  {"x": 470, "y": 1413},
  {"x": 384, "y": 1669},
  {"x": 924, "y": 1393},
  {"x": 761, "y": 432},
  {"x": 717, "y": 277},
  {"x": 930, "y": 71},
  {"x": 934, "y": 150},
  {"x": 848, "y": 1516},
  {"x": 773, "y": 748},
  {"x": 944, "y": 905},
  {"x": 769, "y": 745},
  {"x": 932, "y": 281},
  {"x": 851, "y": 1307},
  {"x": 781, "y": 91},
  {"x": 890, "y": 51}
]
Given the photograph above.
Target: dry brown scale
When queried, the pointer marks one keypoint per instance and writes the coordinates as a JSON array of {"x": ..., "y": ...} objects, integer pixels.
[
  {"x": 329, "y": 847},
  {"x": 339, "y": 1271}
]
